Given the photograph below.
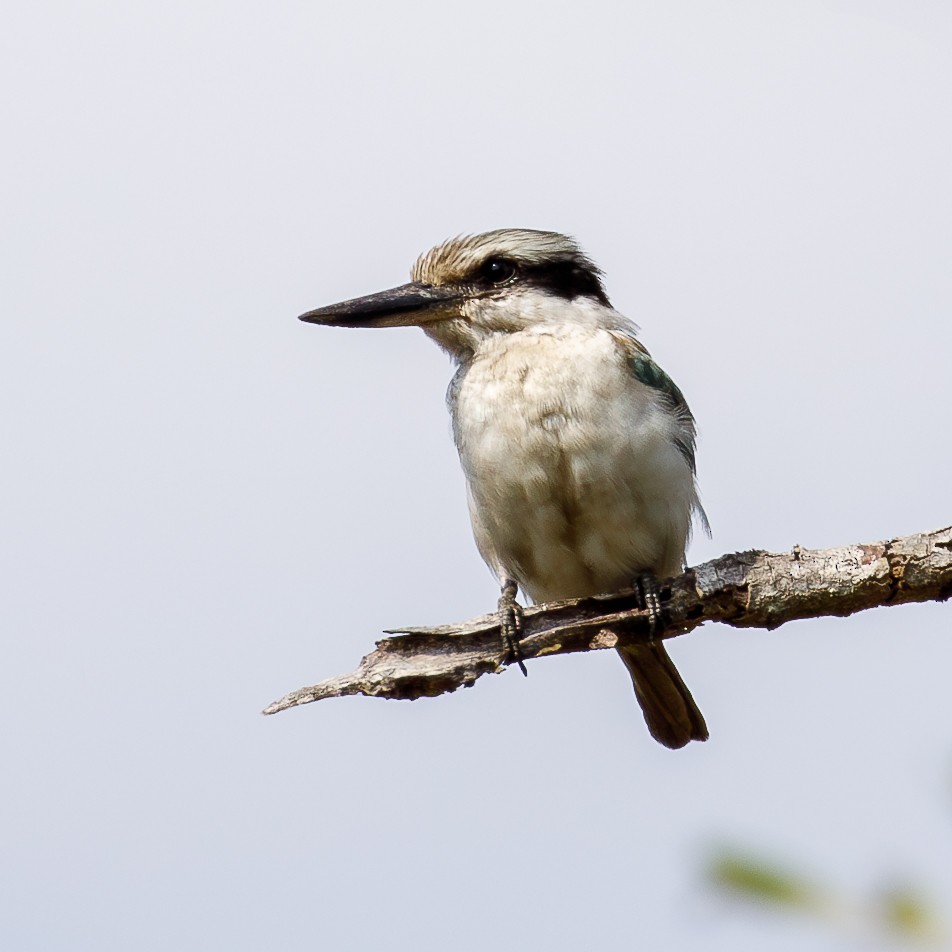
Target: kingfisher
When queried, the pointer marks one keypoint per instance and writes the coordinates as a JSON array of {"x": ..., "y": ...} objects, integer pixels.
[{"x": 578, "y": 449}]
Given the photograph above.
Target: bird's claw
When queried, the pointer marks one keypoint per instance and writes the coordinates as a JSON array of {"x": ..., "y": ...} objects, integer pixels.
[
  {"x": 647, "y": 587},
  {"x": 510, "y": 624}
]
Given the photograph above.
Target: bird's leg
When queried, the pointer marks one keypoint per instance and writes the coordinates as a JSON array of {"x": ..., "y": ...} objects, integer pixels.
[
  {"x": 510, "y": 623},
  {"x": 646, "y": 585}
]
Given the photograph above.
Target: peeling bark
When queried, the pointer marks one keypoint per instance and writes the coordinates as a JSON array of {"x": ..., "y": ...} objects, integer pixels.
[{"x": 746, "y": 590}]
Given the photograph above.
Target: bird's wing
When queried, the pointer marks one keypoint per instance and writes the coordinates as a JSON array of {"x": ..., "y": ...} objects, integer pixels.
[{"x": 644, "y": 369}]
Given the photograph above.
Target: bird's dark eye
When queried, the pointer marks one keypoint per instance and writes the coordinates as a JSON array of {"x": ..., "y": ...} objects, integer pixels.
[{"x": 497, "y": 270}]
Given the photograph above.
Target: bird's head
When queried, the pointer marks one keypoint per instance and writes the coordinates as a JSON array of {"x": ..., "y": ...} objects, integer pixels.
[{"x": 472, "y": 287}]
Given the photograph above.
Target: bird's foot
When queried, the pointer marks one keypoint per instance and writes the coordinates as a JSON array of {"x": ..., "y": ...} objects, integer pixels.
[
  {"x": 646, "y": 585},
  {"x": 510, "y": 624}
]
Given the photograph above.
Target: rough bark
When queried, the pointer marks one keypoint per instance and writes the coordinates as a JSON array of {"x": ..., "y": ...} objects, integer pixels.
[{"x": 746, "y": 590}]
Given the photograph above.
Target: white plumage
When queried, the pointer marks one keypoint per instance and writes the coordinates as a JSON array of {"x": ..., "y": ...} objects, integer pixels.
[{"x": 575, "y": 481}]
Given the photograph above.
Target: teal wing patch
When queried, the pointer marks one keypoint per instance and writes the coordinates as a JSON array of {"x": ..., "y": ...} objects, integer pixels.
[{"x": 651, "y": 375}]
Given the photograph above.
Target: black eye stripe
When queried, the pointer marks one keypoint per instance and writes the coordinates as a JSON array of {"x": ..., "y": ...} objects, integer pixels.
[{"x": 565, "y": 278}]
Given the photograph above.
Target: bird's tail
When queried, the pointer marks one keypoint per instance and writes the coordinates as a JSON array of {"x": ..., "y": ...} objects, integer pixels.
[{"x": 670, "y": 712}]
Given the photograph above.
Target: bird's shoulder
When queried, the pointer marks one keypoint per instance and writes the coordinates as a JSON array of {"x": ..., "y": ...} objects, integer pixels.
[{"x": 643, "y": 367}]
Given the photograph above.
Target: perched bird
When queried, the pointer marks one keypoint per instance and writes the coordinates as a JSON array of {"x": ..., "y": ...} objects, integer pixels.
[{"x": 578, "y": 448}]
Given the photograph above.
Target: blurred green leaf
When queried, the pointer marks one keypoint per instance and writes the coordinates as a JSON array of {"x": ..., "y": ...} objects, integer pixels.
[
  {"x": 908, "y": 914},
  {"x": 758, "y": 879},
  {"x": 898, "y": 914}
]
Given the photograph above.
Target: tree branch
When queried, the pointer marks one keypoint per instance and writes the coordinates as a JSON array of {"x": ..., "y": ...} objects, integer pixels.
[{"x": 745, "y": 590}]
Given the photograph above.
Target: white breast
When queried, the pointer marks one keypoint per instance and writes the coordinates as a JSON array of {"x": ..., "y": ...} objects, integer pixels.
[{"x": 576, "y": 483}]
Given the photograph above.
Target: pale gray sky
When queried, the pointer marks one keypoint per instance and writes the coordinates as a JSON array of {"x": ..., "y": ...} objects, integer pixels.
[{"x": 206, "y": 503}]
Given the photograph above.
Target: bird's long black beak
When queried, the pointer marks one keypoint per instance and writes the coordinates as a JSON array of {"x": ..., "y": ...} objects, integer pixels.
[{"x": 409, "y": 304}]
